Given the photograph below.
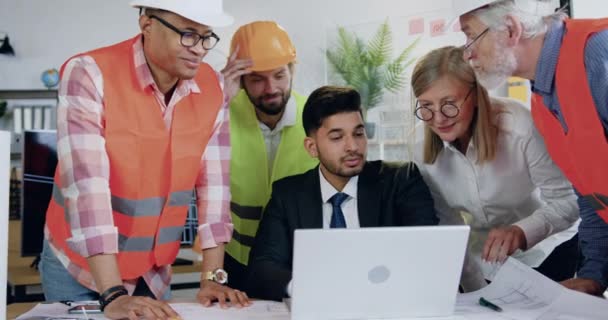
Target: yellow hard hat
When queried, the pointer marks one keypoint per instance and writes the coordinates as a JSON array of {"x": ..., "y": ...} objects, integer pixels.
[{"x": 264, "y": 42}]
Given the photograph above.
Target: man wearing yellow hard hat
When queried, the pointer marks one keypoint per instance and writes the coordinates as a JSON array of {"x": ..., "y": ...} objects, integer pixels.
[
  {"x": 567, "y": 63},
  {"x": 140, "y": 125},
  {"x": 266, "y": 132}
]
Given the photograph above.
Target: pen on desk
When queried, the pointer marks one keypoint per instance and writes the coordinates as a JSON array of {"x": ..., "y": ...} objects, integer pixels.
[{"x": 485, "y": 303}]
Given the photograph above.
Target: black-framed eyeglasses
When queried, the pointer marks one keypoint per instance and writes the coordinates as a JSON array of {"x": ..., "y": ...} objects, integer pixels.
[
  {"x": 190, "y": 39},
  {"x": 468, "y": 45},
  {"x": 448, "y": 109}
]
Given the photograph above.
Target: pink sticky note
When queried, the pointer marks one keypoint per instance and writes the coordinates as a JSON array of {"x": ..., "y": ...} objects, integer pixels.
[
  {"x": 416, "y": 26},
  {"x": 437, "y": 27}
]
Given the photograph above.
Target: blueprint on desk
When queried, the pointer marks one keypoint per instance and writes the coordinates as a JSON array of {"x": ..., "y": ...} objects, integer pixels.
[{"x": 523, "y": 293}]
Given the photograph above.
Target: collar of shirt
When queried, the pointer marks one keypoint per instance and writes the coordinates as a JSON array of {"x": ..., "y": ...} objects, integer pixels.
[
  {"x": 328, "y": 191},
  {"x": 288, "y": 119},
  {"x": 144, "y": 74},
  {"x": 547, "y": 60},
  {"x": 450, "y": 146}
]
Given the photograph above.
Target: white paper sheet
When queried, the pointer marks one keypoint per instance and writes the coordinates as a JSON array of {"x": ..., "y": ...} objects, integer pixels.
[
  {"x": 188, "y": 311},
  {"x": 56, "y": 311},
  {"x": 258, "y": 310},
  {"x": 523, "y": 293}
]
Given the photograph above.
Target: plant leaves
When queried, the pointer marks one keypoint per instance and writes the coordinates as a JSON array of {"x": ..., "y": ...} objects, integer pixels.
[
  {"x": 380, "y": 46},
  {"x": 367, "y": 67}
]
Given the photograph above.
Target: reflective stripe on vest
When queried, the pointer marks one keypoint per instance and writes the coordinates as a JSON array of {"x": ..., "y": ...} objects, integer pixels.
[
  {"x": 135, "y": 208},
  {"x": 246, "y": 212},
  {"x": 250, "y": 185},
  {"x": 243, "y": 239},
  {"x": 139, "y": 208}
]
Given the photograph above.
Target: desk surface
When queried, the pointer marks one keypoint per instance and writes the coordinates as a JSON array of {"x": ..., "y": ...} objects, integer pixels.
[
  {"x": 16, "y": 309},
  {"x": 20, "y": 273}
]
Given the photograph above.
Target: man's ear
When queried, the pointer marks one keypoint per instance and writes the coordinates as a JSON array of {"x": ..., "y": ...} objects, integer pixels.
[
  {"x": 514, "y": 30},
  {"x": 145, "y": 23},
  {"x": 311, "y": 147}
]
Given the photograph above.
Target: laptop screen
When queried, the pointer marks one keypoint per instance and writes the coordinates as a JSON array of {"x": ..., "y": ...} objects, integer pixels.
[{"x": 377, "y": 272}]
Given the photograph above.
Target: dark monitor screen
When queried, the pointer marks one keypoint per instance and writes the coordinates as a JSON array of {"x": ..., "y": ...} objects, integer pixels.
[{"x": 39, "y": 161}]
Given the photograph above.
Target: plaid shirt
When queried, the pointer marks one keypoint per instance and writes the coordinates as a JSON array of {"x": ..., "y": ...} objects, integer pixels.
[{"x": 85, "y": 168}]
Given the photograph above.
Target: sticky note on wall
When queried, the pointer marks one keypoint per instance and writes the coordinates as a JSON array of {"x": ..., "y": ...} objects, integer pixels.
[
  {"x": 437, "y": 27},
  {"x": 416, "y": 26}
]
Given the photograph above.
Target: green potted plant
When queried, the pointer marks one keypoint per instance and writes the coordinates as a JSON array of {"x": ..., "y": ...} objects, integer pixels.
[{"x": 368, "y": 66}]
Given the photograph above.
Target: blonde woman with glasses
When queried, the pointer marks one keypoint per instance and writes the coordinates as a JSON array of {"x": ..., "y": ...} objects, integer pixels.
[{"x": 487, "y": 167}]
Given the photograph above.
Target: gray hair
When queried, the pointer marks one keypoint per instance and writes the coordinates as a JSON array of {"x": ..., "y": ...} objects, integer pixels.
[{"x": 535, "y": 15}]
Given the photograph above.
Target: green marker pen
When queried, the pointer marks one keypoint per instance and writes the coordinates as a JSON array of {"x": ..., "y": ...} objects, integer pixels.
[{"x": 485, "y": 303}]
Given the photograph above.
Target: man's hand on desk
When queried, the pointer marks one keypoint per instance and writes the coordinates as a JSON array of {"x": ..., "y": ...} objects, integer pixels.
[
  {"x": 584, "y": 285},
  {"x": 502, "y": 242},
  {"x": 135, "y": 308},
  {"x": 211, "y": 291}
]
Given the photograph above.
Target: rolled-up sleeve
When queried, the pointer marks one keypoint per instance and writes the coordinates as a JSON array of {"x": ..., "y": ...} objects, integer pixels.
[
  {"x": 83, "y": 160},
  {"x": 213, "y": 185}
]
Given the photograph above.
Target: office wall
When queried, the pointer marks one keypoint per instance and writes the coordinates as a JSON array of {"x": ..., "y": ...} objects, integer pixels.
[
  {"x": 589, "y": 8},
  {"x": 45, "y": 33}
]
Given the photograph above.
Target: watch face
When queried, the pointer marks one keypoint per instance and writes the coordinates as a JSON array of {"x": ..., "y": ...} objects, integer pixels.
[{"x": 221, "y": 276}]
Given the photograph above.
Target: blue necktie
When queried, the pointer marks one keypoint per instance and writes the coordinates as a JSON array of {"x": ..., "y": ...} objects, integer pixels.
[{"x": 337, "y": 217}]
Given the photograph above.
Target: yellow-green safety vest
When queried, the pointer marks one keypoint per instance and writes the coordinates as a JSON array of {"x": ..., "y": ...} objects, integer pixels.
[{"x": 250, "y": 185}]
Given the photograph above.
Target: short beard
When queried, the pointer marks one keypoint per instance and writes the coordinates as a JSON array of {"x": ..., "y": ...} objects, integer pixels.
[
  {"x": 273, "y": 109},
  {"x": 338, "y": 171},
  {"x": 504, "y": 66}
]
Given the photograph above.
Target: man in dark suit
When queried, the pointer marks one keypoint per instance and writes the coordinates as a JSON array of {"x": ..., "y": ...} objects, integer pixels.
[{"x": 344, "y": 191}]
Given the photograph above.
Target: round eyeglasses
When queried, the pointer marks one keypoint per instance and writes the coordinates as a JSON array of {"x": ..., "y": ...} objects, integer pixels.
[
  {"x": 448, "y": 110},
  {"x": 190, "y": 39}
]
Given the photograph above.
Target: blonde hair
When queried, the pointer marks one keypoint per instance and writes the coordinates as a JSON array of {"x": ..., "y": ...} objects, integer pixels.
[{"x": 448, "y": 61}]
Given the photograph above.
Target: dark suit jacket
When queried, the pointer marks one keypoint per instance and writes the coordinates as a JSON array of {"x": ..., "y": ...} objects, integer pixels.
[{"x": 387, "y": 195}]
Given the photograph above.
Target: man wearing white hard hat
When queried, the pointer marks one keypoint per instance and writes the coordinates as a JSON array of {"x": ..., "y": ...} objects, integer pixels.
[
  {"x": 567, "y": 62},
  {"x": 141, "y": 124}
]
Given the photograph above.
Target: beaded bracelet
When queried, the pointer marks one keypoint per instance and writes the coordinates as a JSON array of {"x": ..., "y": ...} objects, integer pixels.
[{"x": 110, "y": 295}]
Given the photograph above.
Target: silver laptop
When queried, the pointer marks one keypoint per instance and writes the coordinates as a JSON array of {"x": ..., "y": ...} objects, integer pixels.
[{"x": 392, "y": 272}]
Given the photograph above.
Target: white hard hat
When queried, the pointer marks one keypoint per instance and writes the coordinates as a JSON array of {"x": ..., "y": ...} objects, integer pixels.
[
  {"x": 207, "y": 12},
  {"x": 461, "y": 7},
  {"x": 538, "y": 7}
]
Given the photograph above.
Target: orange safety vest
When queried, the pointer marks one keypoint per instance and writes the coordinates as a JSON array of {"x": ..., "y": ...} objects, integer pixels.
[
  {"x": 152, "y": 170},
  {"x": 582, "y": 152}
]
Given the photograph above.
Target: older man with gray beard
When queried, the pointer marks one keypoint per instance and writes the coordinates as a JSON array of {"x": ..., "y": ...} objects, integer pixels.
[{"x": 567, "y": 62}]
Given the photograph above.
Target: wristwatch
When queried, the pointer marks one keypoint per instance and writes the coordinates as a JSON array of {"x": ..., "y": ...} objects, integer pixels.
[{"x": 218, "y": 275}]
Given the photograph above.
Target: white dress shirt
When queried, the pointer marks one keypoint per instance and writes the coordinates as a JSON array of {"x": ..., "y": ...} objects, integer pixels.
[
  {"x": 349, "y": 206},
  {"x": 521, "y": 186},
  {"x": 272, "y": 138}
]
